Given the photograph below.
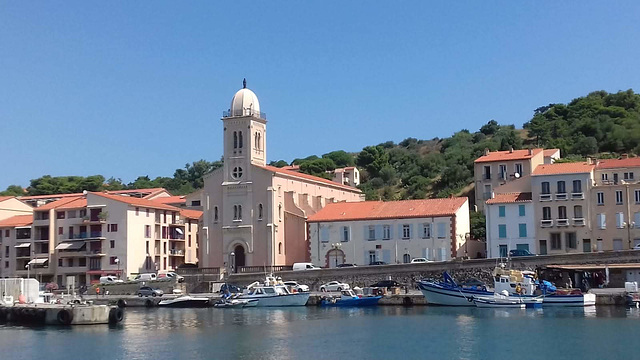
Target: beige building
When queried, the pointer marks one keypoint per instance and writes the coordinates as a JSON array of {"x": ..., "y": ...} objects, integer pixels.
[
  {"x": 11, "y": 206},
  {"x": 498, "y": 168},
  {"x": 255, "y": 214},
  {"x": 14, "y": 231},
  {"x": 347, "y": 176}
]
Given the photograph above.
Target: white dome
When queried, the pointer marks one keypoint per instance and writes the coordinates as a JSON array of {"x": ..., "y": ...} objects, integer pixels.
[{"x": 245, "y": 103}]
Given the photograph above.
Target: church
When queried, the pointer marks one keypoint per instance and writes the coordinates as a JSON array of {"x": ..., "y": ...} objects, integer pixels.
[{"x": 255, "y": 214}]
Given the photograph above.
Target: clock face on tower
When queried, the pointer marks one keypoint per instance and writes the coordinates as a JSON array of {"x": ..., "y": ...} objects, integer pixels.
[{"x": 236, "y": 173}]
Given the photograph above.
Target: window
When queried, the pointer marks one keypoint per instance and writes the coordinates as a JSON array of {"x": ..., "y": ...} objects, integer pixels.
[
  {"x": 60, "y": 262},
  {"x": 239, "y": 139},
  {"x": 189, "y": 243},
  {"x": 503, "y": 172},
  {"x": 600, "y": 198},
  {"x": 237, "y": 172},
  {"x": 503, "y": 250},
  {"x": 6, "y": 251},
  {"x": 147, "y": 211},
  {"x": 147, "y": 248},
  {"x": 562, "y": 212},
  {"x": 324, "y": 233},
  {"x": 522, "y": 230},
  {"x": 112, "y": 244},
  {"x": 280, "y": 248},
  {"x": 561, "y": 187},
  {"x": 605, "y": 177},
  {"x": 571, "y": 240},
  {"x": 577, "y": 212},
  {"x": 620, "y": 220},
  {"x": 487, "y": 172},
  {"x": 60, "y": 215},
  {"x": 502, "y": 231},
  {"x": 501, "y": 211},
  {"x": 7, "y": 233},
  {"x": 195, "y": 203},
  {"x": 147, "y": 232},
  {"x": 259, "y": 211},
  {"x": 556, "y": 243},
  {"x": 637, "y": 195},
  {"x": 372, "y": 256},
  {"x": 628, "y": 176},
  {"x": 546, "y": 189},
  {"x": 237, "y": 212},
  {"x": 406, "y": 231},
  {"x": 83, "y": 213},
  {"x": 406, "y": 258},
  {"x": 70, "y": 262},
  {"x": 372, "y": 232},
  {"x": 426, "y": 231},
  {"x": 71, "y": 214},
  {"x": 235, "y": 139},
  {"x": 60, "y": 230},
  {"x": 442, "y": 232},
  {"x": 577, "y": 186},
  {"x": 345, "y": 233},
  {"x": 280, "y": 212},
  {"x": 386, "y": 232},
  {"x": 618, "y": 197},
  {"x": 521, "y": 210},
  {"x": 113, "y": 227},
  {"x": 164, "y": 248},
  {"x": 601, "y": 219},
  {"x": 137, "y": 211},
  {"x": 82, "y": 262},
  {"x": 215, "y": 213},
  {"x": 518, "y": 169}
]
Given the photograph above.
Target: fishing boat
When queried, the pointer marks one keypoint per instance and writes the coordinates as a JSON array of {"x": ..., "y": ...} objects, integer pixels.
[
  {"x": 448, "y": 293},
  {"x": 185, "y": 301},
  {"x": 349, "y": 299},
  {"x": 499, "y": 301},
  {"x": 273, "y": 293}
]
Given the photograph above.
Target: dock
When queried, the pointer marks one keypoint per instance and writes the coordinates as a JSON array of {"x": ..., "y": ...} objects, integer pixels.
[{"x": 61, "y": 314}]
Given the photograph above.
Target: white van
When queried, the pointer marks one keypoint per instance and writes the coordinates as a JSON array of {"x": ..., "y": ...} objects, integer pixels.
[
  {"x": 304, "y": 266},
  {"x": 110, "y": 279},
  {"x": 145, "y": 277}
]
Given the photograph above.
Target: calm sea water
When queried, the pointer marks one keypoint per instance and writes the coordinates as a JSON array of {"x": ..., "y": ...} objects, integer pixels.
[{"x": 331, "y": 333}]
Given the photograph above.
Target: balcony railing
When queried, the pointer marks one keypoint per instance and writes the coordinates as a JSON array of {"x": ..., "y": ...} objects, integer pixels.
[
  {"x": 244, "y": 112},
  {"x": 577, "y": 195},
  {"x": 562, "y": 222},
  {"x": 578, "y": 222},
  {"x": 561, "y": 196},
  {"x": 545, "y": 197},
  {"x": 176, "y": 252},
  {"x": 546, "y": 223},
  {"x": 263, "y": 269},
  {"x": 199, "y": 271}
]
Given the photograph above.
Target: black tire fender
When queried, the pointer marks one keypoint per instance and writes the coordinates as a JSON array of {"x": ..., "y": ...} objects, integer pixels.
[
  {"x": 65, "y": 317},
  {"x": 122, "y": 303},
  {"x": 116, "y": 315}
]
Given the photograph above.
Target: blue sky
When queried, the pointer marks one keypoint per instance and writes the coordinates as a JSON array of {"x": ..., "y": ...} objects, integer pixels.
[{"x": 138, "y": 87}]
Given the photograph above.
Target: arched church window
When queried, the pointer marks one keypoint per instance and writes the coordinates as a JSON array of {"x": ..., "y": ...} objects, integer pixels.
[
  {"x": 280, "y": 248},
  {"x": 215, "y": 213},
  {"x": 240, "y": 139},
  {"x": 280, "y": 212},
  {"x": 237, "y": 172},
  {"x": 235, "y": 139},
  {"x": 239, "y": 212},
  {"x": 259, "y": 211},
  {"x": 235, "y": 212}
]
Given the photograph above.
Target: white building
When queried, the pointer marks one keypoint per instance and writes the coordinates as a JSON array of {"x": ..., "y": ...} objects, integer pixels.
[
  {"x": 510, "y": 224},
  {"x": 393, "y": 232}
]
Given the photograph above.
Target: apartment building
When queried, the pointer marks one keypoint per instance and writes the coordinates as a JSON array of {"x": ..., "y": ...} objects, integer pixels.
[
  {"x": 497, "y": 168},
  {"x": 560, "y": 194},
  {"x": 11, "y": 206},
  {"x": 615, "y": 202},
  {"x": 510, "y": 224},
  {"x": 394, "y": 232},
  {"x": 347, "y": 176},
  {"x": 14, "y": 231}
]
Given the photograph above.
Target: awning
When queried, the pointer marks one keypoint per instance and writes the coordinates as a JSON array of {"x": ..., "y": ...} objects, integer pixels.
[
  {"x": 71, "y": 245},
  {"x": 179, "y": 231},
  {"x": 41, "y": 261},
  {"x": 23, "y": 245}
]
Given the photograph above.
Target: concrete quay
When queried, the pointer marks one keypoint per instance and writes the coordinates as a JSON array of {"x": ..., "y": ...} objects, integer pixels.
[{"x": 58, "y": 314}]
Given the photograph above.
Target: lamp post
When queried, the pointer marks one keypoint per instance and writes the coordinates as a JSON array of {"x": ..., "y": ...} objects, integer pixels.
[
  {"x": 117, "y": 261},
  {"x": 233, "y": 262},
  {"x": 336, "y": 248}
]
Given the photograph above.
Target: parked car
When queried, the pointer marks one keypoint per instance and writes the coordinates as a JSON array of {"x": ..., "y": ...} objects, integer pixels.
[
  {"x": 346, "y": 265},
  {"x": 110, "y": 279},
  {"x": 145, "y": 277},
  {"x": 637, "y": 247},
  {"x": 516, "y": 252},
  {"x": 149, "y": 291},
  {"x": 334, "y": 286},
  {"x": 419, "y": 260},
  {"x": 387, "y": 284},
  {"x": 377, "y": 263},
  {"x": 231, "y": 288},
  {"x": 304, "y": 266},
  {"x": 297, "y": 287},
  {"x": 170, "y": 276}
]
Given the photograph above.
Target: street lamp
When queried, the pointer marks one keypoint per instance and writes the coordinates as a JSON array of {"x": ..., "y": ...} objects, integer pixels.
[
  {"x": 117, "y": 261},
  {"x": 336, "y": 248},
  {"x": 233, "y": 262}
]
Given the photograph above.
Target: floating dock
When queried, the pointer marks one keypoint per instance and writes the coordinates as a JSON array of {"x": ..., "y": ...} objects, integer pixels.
[{"x": 58, "y": 314}]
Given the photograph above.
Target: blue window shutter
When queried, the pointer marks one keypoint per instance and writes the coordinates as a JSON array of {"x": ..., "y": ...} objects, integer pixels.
[
  {"x": 324, "y": 233},
  {"x": 501, "y": 211},
  {"x": 410, "y": 231},
  {"x": 365, "y": 260},
  {"x": 378, "y": 232},
  {"x": 391, "y": 231},
  {"x": 386, "y": 256},
  {"x": 400, "y": 231},
  {"x": 521, "y": 209},
  {"x": 523, "y": 230},
  {"x": 365, "y": 232},
  {"x": 502, "y": 231}
]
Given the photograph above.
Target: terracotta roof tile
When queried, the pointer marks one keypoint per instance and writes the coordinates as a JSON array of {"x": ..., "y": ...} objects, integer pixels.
[
  {"x": 374, "y": 210},
  {"x": 508, "y": 198},
  {"x": 171, "y": 200},
  {"x": 563, "y": 168},
  {"x": 549, "y": 152},
  {"x": 307, "y": 177},
  {"x": 191, "y": 214},
  {"x": 137, "y": 201},
  {"x": 508, "y": 155},
  {"x": 618, "y": 163},
  {"x": 18, "y": 220},
  {"x": 74, "y": 202},
  {"x": 150, "y": 191},
  {"x": 3, "y": 198}
]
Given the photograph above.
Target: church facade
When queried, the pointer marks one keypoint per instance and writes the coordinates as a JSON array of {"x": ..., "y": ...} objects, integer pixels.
[{"x": 255, "y": 214}]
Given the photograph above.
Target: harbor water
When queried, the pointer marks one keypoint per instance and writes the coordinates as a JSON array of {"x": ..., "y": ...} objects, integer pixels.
[{"x": 330, "y": 333}]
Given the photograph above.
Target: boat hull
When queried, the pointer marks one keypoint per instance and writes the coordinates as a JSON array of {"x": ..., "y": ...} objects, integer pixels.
[
  {"x": 438, "y": 295},
  {"x": 570, "y": 300},
  {"x": 187, "y": 303},
  {"x": 499, "y": 304},
  {"x": 296, "y": 299},
  {"x": 365, "y": 301}
]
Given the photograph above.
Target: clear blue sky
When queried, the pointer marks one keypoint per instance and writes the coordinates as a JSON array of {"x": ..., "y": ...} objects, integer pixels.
[{"x": 138, "y": 87}]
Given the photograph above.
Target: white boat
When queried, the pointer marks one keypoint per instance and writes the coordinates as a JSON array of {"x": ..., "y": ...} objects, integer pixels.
[
  {"x": 499, "y": 301},
  {"x": 185, "y": 301},
  {"x": 273, "y": 293},
  {"x": 236, "y": 303}
]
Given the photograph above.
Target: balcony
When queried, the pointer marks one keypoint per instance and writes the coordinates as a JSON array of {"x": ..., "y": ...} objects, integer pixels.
[
  {"x": 244, "y": 112},
  {"x": 546, "y": 223},
  {"x": 561, "y": 196},
  {"x": 562, "y": 222},
  {"x": 545, "y": 197},
  {"x": 176, "y": 252},
  {"x": 177, "y": 222},
  {"x": 577, "y": 196},
  {"x": 94, "y": 220},
  {"x": 579, "y": 222}
]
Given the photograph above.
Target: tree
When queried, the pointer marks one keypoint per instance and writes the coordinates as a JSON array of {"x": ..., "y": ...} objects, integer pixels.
[
  {"x": 490, "y": 128},
  {"x": 279, "y": 163},
  {"x": 478, "y": 225},
  {"x": 373, "y": 159},
  {"x": 318, "y": 167},
  {"x": 341, "y": 158},
  {"x": 13, "y": 190}
]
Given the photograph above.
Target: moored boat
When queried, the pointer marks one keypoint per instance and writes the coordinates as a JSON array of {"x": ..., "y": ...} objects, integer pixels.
[
  {"x": 185, "y": 301},
  {"x": 236, "y": 303},
  {"x": 273, "y": 293},
  {"x": 499, "y": 301},
  {"x": 349, "y": 299}
]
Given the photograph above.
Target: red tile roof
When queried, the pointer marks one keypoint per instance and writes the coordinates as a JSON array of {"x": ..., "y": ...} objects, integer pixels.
[
  {"x": 508, "y": 155},
  {"x": 150, "y": 191},
  {"x": 618, "y": 163},
  {"x": 171, "y": 200},
  {"x": 563, "y": 168},
  {"x": 308, "y": 177},
  {"x": 74, "y": 202},
  {"x": 137, "y": 201},
  {"x": 191, "y": 214},
  {"x": 549, "y": 152},
  {"x": 3, "y": 198},
  {"x": 376, "y": 210},
  {"x": 508, "y": 198},
  {"x": 18, "y": 220}
]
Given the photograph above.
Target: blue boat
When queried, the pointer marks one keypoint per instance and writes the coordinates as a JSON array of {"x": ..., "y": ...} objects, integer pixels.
[{"x": 349, "y": 299}]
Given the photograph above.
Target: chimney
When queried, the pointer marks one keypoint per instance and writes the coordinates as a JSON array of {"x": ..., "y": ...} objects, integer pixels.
[
  {"x": 511, "y": 149},
  {"x": 530, "y": 152},
  {"x": 450, "y": 196},
  {"x": 625, "y": 156},
  {"x": 486, "y": 151},
  {"x": 589, "y": 160}
]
